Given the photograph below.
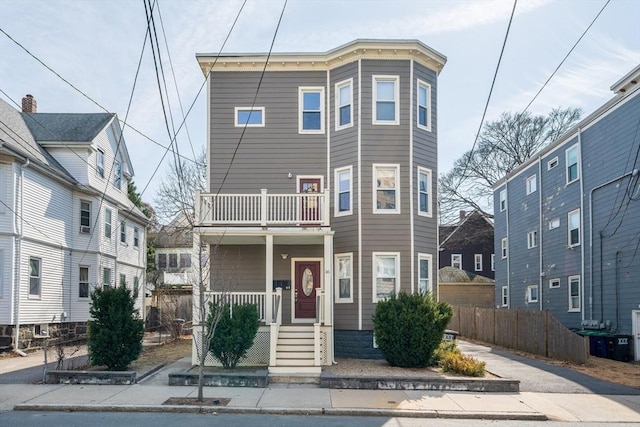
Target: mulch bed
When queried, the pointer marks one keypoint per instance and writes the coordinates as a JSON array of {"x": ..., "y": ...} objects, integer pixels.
[{"x": 193, "y": 401}]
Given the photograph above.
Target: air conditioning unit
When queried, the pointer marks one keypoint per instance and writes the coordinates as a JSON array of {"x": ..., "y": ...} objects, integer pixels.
[{"x": 85, "y": 229}]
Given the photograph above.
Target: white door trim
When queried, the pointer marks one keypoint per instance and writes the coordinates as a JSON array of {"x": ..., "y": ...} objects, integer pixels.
[
  {"x": 635, "y": 325},
  {"x": 293, "y": 287}
]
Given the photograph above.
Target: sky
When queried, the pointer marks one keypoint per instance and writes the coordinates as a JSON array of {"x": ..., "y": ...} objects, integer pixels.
[{"x": 97, "y": 45}]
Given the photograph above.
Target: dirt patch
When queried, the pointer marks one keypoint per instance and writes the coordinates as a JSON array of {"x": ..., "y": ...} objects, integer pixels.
[
  {"x": 193, "y": 401},
  {"x": 376, "y": 367},
  {"x": 625, "y": 373},
  {"x": 162, "y": 354}
]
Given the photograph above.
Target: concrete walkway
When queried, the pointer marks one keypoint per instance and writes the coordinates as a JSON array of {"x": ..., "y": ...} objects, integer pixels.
[{"x": 585, "y": 405}]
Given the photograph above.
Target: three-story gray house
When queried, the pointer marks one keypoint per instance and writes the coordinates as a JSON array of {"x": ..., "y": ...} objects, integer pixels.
[
  {"x": 567, "y": 222},
  {"x": 321, "y": 198}
]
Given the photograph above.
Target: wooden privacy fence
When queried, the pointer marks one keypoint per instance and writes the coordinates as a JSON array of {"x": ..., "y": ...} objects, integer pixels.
[{"x": 536, "y": 332}]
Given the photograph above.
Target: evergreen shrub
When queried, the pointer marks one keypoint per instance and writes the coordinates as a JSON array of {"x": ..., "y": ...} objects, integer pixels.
[{"x": 233, "y": 335}]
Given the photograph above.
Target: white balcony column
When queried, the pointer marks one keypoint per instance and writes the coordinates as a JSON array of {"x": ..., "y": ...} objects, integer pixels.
[
  {"x": 326, "y": 211},
  {"x": 196, "y": 210},
  {"x": 328, "y": 279},
  {"x": 263, "y": 207},
  {"x": 268, "y": 278}
]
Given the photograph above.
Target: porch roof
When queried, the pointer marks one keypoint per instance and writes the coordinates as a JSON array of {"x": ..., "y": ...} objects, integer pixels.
[{"x": 257, "y": 235}]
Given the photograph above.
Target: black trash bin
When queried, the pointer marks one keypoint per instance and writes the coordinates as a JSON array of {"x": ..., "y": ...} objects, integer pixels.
[{"x": 619, "y": 347}]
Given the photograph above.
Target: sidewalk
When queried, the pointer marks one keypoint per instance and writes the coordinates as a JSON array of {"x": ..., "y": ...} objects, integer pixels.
[{"x": 152, "y": 391}]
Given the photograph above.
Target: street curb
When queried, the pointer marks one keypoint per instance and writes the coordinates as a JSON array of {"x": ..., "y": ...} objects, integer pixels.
[{"x": 359, "y": 412}]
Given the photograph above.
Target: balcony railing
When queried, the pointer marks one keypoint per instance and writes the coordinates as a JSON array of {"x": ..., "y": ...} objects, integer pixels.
[{"x": 301, "y": 209}]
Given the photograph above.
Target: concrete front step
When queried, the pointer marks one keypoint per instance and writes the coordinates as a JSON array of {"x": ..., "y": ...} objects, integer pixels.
[{"x": 294, "y": 371}]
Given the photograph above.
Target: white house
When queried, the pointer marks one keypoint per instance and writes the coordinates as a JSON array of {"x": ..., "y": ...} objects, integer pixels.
[{"x": 66, "y": 223}]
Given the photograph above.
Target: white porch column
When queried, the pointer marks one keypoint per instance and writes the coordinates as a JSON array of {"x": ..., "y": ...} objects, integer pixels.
[
  {"x": 328, "y": 279},
  {"x": 268, "y": 278}
]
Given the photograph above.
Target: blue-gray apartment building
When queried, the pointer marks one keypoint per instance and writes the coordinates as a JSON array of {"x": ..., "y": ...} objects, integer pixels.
[{"x": 567, "y": 223}]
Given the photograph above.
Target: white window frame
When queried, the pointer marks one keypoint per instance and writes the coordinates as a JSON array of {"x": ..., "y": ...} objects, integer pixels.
[
  {"x": 554, "y": 223},
  {"x": 530, "y": 298},
  {"x": 310, "y": 89},
  {"x": 83, "y": 282},
  {"x": 123, "y": 232},
  {"x": 336, "y": 196},
  {"x": 477, "y": 259},
  {"x": 573, "y": 308},
  {"x": 456, "y": 259},
  {"x": 374, "y": 257},
  {"x": 493, "y": 262},
  {"x": 427, "y": 87},
  {"x": 117, "y": 175},
  {"x": 427, "y": 281},
  {"x": 552, "y": 163},
  {"x": 136, "y": 237},
  {"x": 577, "y": 163},
  {"x": 579, "y": 228},
  {"x": 108, "y": 223},
  {"x": 428, "y": 173},
  {"x": 531, "y": 184},
  {"x": 532, "y": 239},
  {"x": 349, "y": 299},
  {"x": 123, "y": 280},
  {"x": 504, "y": 248},
  {"x": 106, "y": 278},
  {"x": 396, "y": 169},
  {"x": 37, "y": 279},
  {"x": 136, "y": 287},
  {"x": 250, "y": 110},
  {"x": 505, "y": 296},
  {"x": 503, "y": 200},
  {"x": 186, "y": 257},
  {"x": 396, "y": 100},
  {"x": 85, "y": 228},
  {"x": 338, "y": 87},
  {"x": 100, "y": 163},
  {"x": 554, "y": 283}
]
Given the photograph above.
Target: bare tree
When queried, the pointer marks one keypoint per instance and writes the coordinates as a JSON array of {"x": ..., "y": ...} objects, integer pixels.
[{"x": 502, "y": 146}]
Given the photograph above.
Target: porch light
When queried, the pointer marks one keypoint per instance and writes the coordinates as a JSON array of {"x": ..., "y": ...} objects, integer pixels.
[{"x": 284, "y": 255}]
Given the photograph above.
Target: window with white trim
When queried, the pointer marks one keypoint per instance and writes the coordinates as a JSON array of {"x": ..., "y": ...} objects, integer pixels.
[
  {"x": 311, "y": 110},
  {"x": 552, "y": 163},
  {"x": 136, "y": 287},
  {"x": 424, "y": 105},
  {"x": 424, "y": 273},
  {"x": 503, "y": 247},
  {"x": 503, "y": 200},
  {"x": 573, "y": 170},
  {"x": 532, "y": 239},
  {"x": 344, "y": 188},
  {"x": 123, "y": 279},
  {"x": 173, "y": 260},
  {"x": 35, "y": 277},
  {"x": 136, "y": 237},
  {"x": 386, "y": 104},
  {"x": 185, "y": 260},
  {"x": 249, "y": 117},
  {"x": 107, "y": 223},
  {"x": 106, "y": 277},
  {"x": 162, "y": 261},
  {"x": 386, "y": 269},
  {"x": 477, "y": 262},
  {"x": 573, "y": 228},
  {"x": 344, "y": 104},
  {"x": 456, "y": 261},
  {"x": 554, "y": 283},
  {"x": 100, "y": 163},
  {"x": 117, "y": 174},
  {"x": 532, "y": 293},
  {"x": 574, "y": 293},
  {"x": 493, "y": 262},
  {"x": 505, "y": 296},
  {"x": 554, "y": 223},
  {"x": 85, "y": 217},
  {"x": 531, "y": 184},
  {"x": 83, "y": 282},
  {"x": 386, "y": 189},
  {"x": 424, "y": 192},
  {"x": 123, "y": 232},
  {"x": 344, "y": 278}
]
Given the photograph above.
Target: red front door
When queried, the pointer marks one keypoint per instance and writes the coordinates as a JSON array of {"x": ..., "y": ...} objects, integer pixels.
[
  {"x": 310, "y": 204},
  {"x": 307, "y": 280}
]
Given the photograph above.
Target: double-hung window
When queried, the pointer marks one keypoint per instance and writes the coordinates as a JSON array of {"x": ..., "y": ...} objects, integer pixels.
[
  {"x": 344, "y": 104},
  {"x": 344, "y": 187},
  {"x": 123, "y": 279},
  {"x": 106, "y": 277},
  {"x": 136, "y": 287},
  {"x": 505, "y": 296},
  {"x": 532, "y": 293},
  {"x": 478, "y": 262},
  {"x": 386, "y": 274},
  {"x": 162, "y": 261},
  {"x": 386, "y": 94},
  {"x": 386, "y": 197},
  {"x": 185, "y": 260},
  {"x": 107, "y": 223},
  {"x": 424, "y": 273},
  {"x": 456, "y": 261},
  {"x": 531, "y": 184},
  {"x": 85, "y": 217},
  {"x": 117, "y": 174},
  {"x": 503, "y": 200},
  {"x": 574, "y": 293},
  {"x": 504, "y": 248},
  {"x": 136, "y": 237},
  {"x": 83, "y": 282},
  {"x": 424, "y": 192},
  {"x": 35, "y": 277},
  {"x": 249, "y": 116},
  {"x": 573, "y": 231},
  {"x": 173, "y": 260},
  {"x": 100, "y": 163},
  {"x": 532, "y": 239},
  {"x": 123, "y": 232},
  {"x": 311, "y": 110},
  {"x": 573, "y": 170},
  {"x": 424, "y": 105},
  {"x": 344, "y": 278}
]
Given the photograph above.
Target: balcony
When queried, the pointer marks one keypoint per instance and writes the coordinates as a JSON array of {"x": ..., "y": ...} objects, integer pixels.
[{"x": 263, "y": 209}]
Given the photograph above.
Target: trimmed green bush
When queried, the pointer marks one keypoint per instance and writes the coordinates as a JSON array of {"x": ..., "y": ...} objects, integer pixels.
[
  {"x": 115, "y": 329},
  {"x": 409, "y": 327},
  {"x": 445, "y": 348},
  {"x": 462, "y": 364},
  {"x": 233, "y": 336}
]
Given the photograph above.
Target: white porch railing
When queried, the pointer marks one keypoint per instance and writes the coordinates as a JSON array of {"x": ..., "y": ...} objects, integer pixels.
[
  {"x": 263, "y": 209},
  {"x": 256, "y": 298}
]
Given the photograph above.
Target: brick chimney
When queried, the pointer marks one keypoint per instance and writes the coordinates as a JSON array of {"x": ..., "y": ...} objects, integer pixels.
[{"x": 29, "y": 104}]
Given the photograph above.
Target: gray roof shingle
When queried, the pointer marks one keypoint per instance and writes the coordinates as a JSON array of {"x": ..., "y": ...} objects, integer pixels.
[{"x": 66, "y": 127}]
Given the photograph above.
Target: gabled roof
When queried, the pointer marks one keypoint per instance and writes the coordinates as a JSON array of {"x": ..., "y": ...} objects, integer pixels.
[
  {"x": 453, "y": 230},
  {"x": 66, "y": 127}
]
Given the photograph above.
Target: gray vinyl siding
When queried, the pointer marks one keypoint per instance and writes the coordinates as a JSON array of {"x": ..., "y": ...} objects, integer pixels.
[
  {"x": 264, "y": 154},
  {"x": 500, "y": 231}
]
